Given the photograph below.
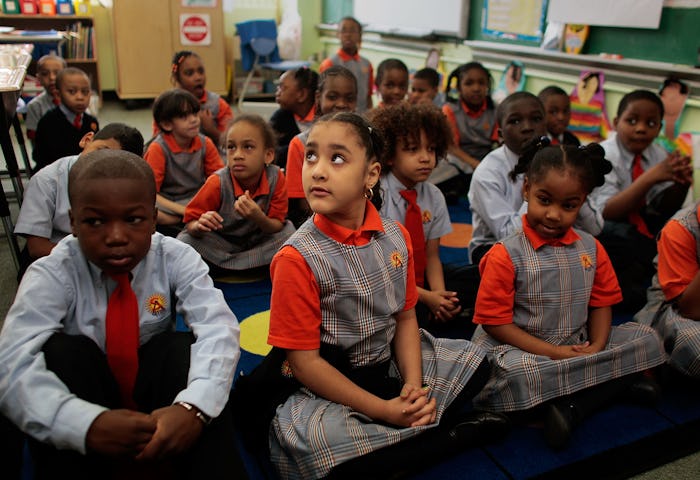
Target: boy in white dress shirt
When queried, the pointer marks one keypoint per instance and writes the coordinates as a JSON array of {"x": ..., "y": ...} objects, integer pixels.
[{"x": 60, "y": 381}]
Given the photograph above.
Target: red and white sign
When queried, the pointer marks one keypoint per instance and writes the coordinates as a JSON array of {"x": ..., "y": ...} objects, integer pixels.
[{"x": 195, "y": 29}]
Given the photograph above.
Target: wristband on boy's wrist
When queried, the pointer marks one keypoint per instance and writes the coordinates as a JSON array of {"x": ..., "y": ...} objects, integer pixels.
[{"x": 204, "y": 418}]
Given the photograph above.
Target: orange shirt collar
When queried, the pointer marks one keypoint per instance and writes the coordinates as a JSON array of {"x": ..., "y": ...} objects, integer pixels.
[
  {"x": 361, "y": 236},
  {"x": 344, "y": 56},
  {"x": 263, "y": 186},
  {"x": 309, "y": 116},
  {"x": 203, "y": 98},
  {"x": 169, "y": 138},
  {"x": 537, "y": 240},
  {"x": 472, "y": 113}
]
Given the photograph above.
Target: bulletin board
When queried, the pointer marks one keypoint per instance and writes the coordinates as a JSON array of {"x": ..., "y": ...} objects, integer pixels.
[
  {"x": 675, "y": 41},
  {"x": 520, "y": 20}
]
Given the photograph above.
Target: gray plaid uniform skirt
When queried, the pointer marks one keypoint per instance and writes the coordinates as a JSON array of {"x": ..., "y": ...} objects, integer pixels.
[
  {"x": 255, "y": 252},
  {"x": 310, "y": 435},
  {"x": 521, "y": 380}
]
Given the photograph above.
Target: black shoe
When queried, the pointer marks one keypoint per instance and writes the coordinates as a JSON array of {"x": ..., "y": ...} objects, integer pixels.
[
  {"x": 480, "y": 427},
  {"x": 559, "y": 422},
  {"x": 644, "y": 391}
]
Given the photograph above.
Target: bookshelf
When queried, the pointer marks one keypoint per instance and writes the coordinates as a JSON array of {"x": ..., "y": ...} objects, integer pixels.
[{"x": 77, "y": 46}]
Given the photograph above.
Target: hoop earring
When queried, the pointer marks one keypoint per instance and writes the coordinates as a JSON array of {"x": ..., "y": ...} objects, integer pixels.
[{"x": 369, "y": 193}]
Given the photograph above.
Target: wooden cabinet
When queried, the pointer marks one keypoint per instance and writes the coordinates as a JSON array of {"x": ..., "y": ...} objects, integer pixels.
[
  {"x": 147, "y": 34},
  {"x": 77, "y": 48}
]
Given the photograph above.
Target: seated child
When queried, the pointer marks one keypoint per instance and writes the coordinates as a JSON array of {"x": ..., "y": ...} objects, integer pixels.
[
  {"x": 416, "y": 137},
  {"x": 391, "y": 81},
  {"x": 60, "y": 130},
  {"x": 557, "y": 109},
  {"x": 93, "y": 370},
  {"x": 237, "y": 220},
  {"x": 425, "y": 85},
  {"x": 544, "y": 306},
  {"x": 343, "y": 292},
  {"x": 474, "y": 126},
  {"x": 215, "y": 113},
  {"x": 47, "y": 68},
  {"x": 337, "y": 92},
  {"x": 43, "y": 218},
  {"x": 645, "y": 188},
  {"x": 496, "y": 192},
  {"x": 673, "y": 306},
  {"x": 296, "y": 96},
  {"x": 180, "y": 156},
  {"x": 348, "y": 56}
]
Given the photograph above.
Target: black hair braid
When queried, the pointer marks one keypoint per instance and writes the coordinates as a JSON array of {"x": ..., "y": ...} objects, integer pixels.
[
  {"x": 529, "y": 151},
  {"x": 600, "y": 166}
]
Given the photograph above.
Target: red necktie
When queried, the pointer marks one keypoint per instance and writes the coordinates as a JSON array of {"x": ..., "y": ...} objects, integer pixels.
[
  {"x": 635, "y": 218},
  {"x": 554, "y": 141},
  {"x": 123, "y": 337},
  {"x": 78, "y": 121},
  {"x": 414, "y": 225}
]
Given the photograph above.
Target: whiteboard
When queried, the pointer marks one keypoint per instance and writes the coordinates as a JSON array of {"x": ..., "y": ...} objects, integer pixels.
[
  {"x": 417, "y": 18},
  {"x": 615, "y": 13}
]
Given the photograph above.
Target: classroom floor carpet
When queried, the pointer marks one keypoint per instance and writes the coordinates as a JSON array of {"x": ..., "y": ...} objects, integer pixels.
[{"x": 617, "y": 442}]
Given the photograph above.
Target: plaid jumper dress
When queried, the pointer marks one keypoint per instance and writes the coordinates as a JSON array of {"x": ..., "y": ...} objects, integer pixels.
[
  {"x": 361, "y": 289},
  {"x": 552, "y": 291},
  {"x": 240, "y": 244},
  {"x": 184, "y": 172},
  {"x": 681, "y": 335}
]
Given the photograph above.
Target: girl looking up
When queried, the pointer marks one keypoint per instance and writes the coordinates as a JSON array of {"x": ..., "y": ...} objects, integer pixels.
[
  {"x": 343, "y": 292},
  {"x": 544, "y": 305},
  {"x": 237, "y": 220},
  {"x": 337, "y": 92}
]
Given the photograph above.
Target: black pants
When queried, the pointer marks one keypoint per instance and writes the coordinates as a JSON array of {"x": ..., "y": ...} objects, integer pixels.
[
  {"x": 164, "y": 364},
  {"x": 463, "y": 279},
  {"x": 632, "y": 256}
]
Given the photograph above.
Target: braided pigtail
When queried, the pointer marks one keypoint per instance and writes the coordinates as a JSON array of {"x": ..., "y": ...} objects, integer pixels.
[{"x": 529, "y": 151}]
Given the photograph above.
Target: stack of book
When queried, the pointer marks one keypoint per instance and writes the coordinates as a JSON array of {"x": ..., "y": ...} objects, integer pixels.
[{"x": 80, "y": 41}]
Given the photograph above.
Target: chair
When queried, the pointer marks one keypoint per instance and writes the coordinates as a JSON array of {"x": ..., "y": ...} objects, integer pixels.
[{"x": 259, "y": 51}]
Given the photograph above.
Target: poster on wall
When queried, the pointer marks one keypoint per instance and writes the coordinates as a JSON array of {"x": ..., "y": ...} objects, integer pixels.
[
  {"x": 522, "y": 20},
  {"x": 195, "y": 29}
]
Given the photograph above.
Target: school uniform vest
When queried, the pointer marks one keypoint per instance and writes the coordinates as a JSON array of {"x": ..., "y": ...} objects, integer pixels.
[
  {"x": 236, "y": 228},
  {"x": 474, "y": 133},
  {"x": 688, "y": 217},
  {"x": 361, "y": 289},
  {"x": 211, "y": 103},
  {"x": 360, "y": 68},
  {"x": 552, "y": 284},
  {"x": 184, "y": 171}
]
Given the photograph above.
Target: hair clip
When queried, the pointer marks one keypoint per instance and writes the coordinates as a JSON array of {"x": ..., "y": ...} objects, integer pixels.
[
  {"x": 369, "y": 128},
  {"x": 176, "y": 63}
]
